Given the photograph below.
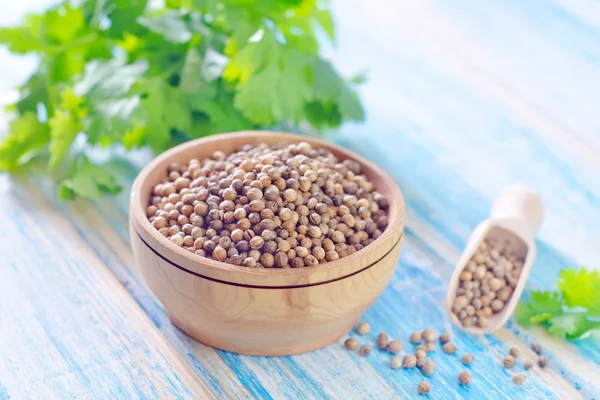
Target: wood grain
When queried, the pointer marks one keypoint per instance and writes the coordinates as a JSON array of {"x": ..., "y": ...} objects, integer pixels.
[{"x": 270, "y": 312}]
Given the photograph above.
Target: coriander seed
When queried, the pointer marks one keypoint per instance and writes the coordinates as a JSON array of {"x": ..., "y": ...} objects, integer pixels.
[
  {"x": 428, "y": 335},
  {"x": 420, "y": 353},
  {"x": 518, "y": 379},
  {"x": 508, "y": 362},
  {"x": 351, "y": 344},
  {"x": 395, "y": 362},
  {"x": 363, "y": 328},
  {"x": 416, "y": 337},
  {"x": 449, "y": 348},
  {"x": 409, "y": 361},
  {"x": 467, "y": 359},
  {"x": 514, "y": 351},
  {"x": 429, "y": 347},
  {"x": 364, "y": 350},
  {"x": 528, "y": 364},
  {"x": 543, "y": 362},
  {"x": 464, "y": 378},
  {"x": 424, "y": 387},
  {"x": 427, "y": 369},
  {"x": 382, "y": 341},
  {"x": 536, "y": 348},
  {"x": 395, "y": 346},
  {"x": 444, "y": 338}
]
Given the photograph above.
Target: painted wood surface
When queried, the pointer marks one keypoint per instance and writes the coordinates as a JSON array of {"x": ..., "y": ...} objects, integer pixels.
[{"x": 462, "y": 100}]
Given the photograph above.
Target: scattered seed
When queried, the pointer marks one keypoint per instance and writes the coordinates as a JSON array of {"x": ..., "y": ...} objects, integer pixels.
[
  {"x": 508, "y": 362},
  {"x": 427, "y": 369},
  {"x": 518, "y": 379},
  {"x": 416, "y": 337},
  {"x": 424, "y": 387},
  {"x": 514, "y": 351},
  {"x": 395, "y": 362},
  {"x": 420, "y": 353},
  {"x": 464, "y": 378},
  {"x": 528, "y": 364},
  {"x": 363, "y": 328},
  {"x": 364, "y": 350},
  {"x": 395, "y": 346},
  {"x": 536, "y": 348},
  {"x": 351, "y": 344},
  {"x": 421, "y": 362},
  {"x": 444, "y": 338},
  {"x": 382, "y": 340},
  {"x": 543, "y": 362},
  {"x": 409, "y": 361},
  {"x": 429, "y": 347},
  {"x": 449, "y": 348},
  {"x": 428, "y": 335},
  {"x": 467, "y": 359}
]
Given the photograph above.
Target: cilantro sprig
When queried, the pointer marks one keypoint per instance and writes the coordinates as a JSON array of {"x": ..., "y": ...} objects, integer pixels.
[
  {"x": 133, "y": 74},
  {"x": 571, "y": 312}
]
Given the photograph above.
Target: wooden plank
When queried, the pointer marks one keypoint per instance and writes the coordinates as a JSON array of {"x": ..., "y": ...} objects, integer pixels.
[{"x": 69, "y": 328}]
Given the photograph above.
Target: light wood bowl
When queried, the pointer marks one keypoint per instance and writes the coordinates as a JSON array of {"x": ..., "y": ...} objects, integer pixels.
[{"x": 269, "y": 312}]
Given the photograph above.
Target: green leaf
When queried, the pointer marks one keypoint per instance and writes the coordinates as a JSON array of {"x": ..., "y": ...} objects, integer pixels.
[
  {"x": 25, "y": 137},
  {"x": 112, "y": 79},
  {"x": 574, "y": 326},
  {"x": 88, "y": 181},
  {"x": 64, "y": 23},
  {"x": 581, "y": 288},
  {"x": 65, "y": 124},
  {"x": 541, "y": 306},
  {"x": 26, "y": 38},
  {"x": 168, "y": 24}
]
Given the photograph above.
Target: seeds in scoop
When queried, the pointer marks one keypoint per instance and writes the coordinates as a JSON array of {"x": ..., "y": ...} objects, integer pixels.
[
  {"x": 543, "y": 362},
  {"x": 409, "y": 361},
  {"x": 467, "y": 359},
  {"x": 449, "y": 348},
  {"x": 364, "y": 350},
  {"x": 382, "y": 340},
  {"x": 395, "y": 346},
  {"x": 363, "y": 328},
  {"x": 416, "y": 337},
  {"x": 269, "y": 192},
  {"x": 444, "y": 338},
  {"x": 508, "y": 362},
  {"x": 464, "y": 378},
  {"x": 514, "y": 351},
  {"x": 536, "y": 348},
  {"x": 424, "y": 387},
  {"x": 528, "y": 364},
  {"x": 518, "y": 379},
  {"x": 351, "y": 344},
  {"x": 395, "y": 362},
  {"x": 428, "y": 335}
]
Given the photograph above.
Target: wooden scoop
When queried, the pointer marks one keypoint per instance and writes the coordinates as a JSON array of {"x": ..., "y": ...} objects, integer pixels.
[{"x": 515, "y": 218}]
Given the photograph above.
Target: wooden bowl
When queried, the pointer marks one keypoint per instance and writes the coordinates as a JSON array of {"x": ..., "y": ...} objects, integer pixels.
[{"x": 269, "y": 312}]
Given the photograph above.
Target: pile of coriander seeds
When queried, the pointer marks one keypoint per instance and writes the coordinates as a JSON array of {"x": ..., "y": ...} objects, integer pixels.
[
  {"x": 269, "y": 206},
  {"x": 486, "y": 283}
]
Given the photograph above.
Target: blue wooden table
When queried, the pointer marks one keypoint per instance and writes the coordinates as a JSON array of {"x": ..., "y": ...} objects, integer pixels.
[{"x": 463, "y": 99}]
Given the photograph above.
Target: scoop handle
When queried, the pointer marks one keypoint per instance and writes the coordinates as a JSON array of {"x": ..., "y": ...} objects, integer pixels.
[{"x": 522, "y": 204}]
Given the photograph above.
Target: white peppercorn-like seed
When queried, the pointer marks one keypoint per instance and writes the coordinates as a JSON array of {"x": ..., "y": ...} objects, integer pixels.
[
  {"x": 543, "y": 362},
  {"x": 464, "y": 378},
  {"x": 449, "y": 348},
  {"x": 508, "y": 362},
  {"x": 428, "y": 335},
  {"x": 351, "y": 344},
  {"x": 416, "y": 337},
  {"x": 424, "y": 387},
  {"x": 420, "y": 353},
  {"x": 409, "y": 361},
  {"x": 514, "y": 351},
  {"x": 395, "y": 346},
  {"x": 518, "y": 379},
  {"x": 444, "y": 338},
  {"x": 382, "y": 340},
  {"x": 528, "y": 364},
  {"x": 395, "y": 362},
  {"x": 364, "y": 350},
  {"x": 363, "y": 328},
  {"x": 427, "y": 369},
  {"x": 467, "y": 359}
]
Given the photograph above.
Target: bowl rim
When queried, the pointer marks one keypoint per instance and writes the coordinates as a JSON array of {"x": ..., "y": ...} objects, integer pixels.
[{"x": 137, "y": 211}]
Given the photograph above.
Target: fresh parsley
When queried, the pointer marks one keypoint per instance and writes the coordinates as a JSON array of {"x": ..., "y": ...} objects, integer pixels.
[
  {"x": 134, "y": 74},
  {"x": 571, "y": 312}
]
